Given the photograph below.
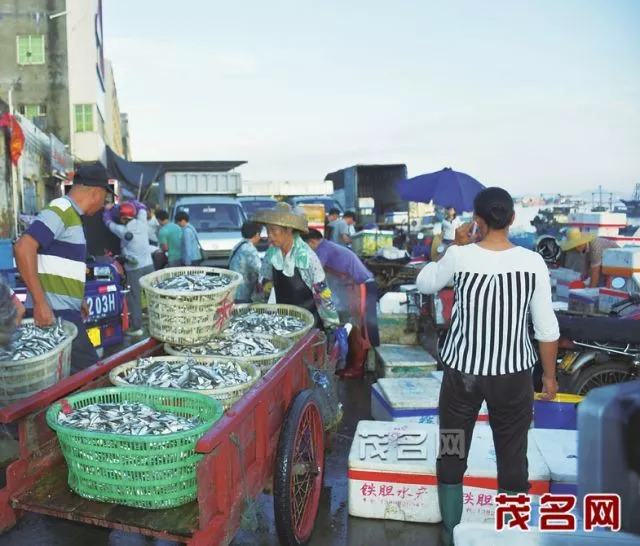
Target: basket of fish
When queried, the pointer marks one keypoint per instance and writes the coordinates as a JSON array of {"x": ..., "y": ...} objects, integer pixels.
[
  {"x": 37, "y": 358},
  {"x": 133, "y": 446},
  {"x": 223, "y": 379},
  {"x": 263, "y": 351},
  {"x": 287, "y": 321},
  {"x": 189, "y": 305}
]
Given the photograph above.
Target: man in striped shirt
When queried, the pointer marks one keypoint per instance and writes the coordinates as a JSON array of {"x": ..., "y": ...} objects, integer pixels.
[{"x": 51, "y": 257}]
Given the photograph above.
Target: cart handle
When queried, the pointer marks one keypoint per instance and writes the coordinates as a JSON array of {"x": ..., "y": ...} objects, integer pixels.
[{"x": 46, "y": 397}]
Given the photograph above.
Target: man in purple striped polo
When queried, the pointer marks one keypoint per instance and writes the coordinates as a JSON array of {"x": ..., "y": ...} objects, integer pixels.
[{"x": 51, "y": 257}]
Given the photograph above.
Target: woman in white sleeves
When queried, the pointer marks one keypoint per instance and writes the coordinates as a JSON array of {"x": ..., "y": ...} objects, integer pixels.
[{"x": 488, "y": 354}]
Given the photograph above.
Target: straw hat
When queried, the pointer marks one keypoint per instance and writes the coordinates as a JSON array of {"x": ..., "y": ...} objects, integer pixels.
[
  {"x": 576, "y": 238},
  {"x": 282, "y": 215}
]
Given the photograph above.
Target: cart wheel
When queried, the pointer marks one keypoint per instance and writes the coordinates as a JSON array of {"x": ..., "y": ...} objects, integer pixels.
[{"x": 299, "y": 470}]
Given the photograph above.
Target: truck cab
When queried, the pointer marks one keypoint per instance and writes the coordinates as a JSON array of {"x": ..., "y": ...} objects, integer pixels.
[{"x": 218, "y": 221}]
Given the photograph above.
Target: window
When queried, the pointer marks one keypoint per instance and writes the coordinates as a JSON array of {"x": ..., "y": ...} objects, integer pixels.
[
  {"x": 31, "y": 111},
  {"x": 31, "y": 49},
  {"x": 84, "y": 118}
]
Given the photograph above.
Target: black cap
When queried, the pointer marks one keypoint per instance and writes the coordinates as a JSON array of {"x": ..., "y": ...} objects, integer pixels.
[{"x": 94, "y": 176}]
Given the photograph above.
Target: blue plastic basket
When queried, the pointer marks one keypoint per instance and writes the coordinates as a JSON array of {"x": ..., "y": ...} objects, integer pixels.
[{"x": 561, "y": 412}]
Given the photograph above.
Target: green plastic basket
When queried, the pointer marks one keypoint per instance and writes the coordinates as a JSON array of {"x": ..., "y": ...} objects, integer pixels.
[{"x": 139, "y": 471}]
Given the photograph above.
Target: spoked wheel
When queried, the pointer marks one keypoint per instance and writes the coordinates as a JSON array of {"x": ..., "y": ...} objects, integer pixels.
[
  {"x": 299, "y": 470},
  {"x": 598, "y": 375}
]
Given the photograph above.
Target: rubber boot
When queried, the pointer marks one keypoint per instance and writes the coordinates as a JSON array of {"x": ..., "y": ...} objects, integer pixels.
[{"x": 450, "y": 501}]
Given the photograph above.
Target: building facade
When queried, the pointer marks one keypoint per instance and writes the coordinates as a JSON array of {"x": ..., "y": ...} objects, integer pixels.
[
  {"x": 52, "y": 70},
  {"x": 113, "y": 118}
]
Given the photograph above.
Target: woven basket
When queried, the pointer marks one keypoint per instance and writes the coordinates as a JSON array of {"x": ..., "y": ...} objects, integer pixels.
[
  {"x": 227, "y": 396},
  {"x": 279, "y": 309},
  {"x": 264, "y": 362},
  {"x": 22, "y": 378},
  {"x": 188, "y": 318},
  {"x": 140, "y": 471}
]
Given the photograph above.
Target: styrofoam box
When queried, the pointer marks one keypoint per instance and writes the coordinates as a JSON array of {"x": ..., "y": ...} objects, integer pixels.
[
  {"x": 485, "y": 534},
  {"x": 621, "y": 261},
  {"x": 393, "y": 303},
  {"x": 563, "y": 277},
  {"x": 411, "y": 399},
  {"x": 598, "y": 219},
  {"x": 559, "y": 449},
  {"x": 386, "y": 483},
  {"x": 404, "y": 361},
  {"x": 437, "y": 375}
]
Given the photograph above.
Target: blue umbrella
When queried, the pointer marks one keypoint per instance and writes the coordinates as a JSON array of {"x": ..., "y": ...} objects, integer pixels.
[{"x": 446, "y": 188}]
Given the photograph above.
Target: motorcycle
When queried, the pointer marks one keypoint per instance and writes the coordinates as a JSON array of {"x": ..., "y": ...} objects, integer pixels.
[{"x": 599, "y": 350}]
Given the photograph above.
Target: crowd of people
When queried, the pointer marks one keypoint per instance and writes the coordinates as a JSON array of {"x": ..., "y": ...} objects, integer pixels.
[{"x": 51, "y": 259}]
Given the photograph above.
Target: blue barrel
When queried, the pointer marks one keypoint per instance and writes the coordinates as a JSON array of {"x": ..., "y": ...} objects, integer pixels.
[{"x": 6, "y": 260}]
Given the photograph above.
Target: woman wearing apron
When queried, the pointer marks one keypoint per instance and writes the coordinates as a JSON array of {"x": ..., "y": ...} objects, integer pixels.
[{"x": 292, "y": 268}]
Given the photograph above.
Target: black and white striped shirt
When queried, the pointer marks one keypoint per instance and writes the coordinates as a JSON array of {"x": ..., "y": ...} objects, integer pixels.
[{"x": 495, "y": 293}]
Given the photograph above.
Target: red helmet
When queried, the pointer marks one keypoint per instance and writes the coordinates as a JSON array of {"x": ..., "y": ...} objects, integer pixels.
[{"x": 127, "y": 210}]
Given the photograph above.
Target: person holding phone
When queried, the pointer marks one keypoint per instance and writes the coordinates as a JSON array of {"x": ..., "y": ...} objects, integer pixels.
[{"x": 488, "y": 354}]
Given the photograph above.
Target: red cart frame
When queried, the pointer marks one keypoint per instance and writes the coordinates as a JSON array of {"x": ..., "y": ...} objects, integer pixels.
[{"x": 37, "y": 481}]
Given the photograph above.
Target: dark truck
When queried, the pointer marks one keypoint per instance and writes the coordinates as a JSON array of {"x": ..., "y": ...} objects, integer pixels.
[{"x": 373, "y": 181}]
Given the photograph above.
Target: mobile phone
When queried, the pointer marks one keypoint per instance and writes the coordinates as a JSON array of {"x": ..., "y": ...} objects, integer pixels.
[{"x": 474, "y": 230}]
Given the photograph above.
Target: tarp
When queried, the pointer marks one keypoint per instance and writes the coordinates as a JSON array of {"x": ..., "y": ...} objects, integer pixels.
[{"x": 130, "y": 173}]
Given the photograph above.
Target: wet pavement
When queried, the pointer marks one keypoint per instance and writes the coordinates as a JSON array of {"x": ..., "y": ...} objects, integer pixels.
[{"x": 333, "y": 525}]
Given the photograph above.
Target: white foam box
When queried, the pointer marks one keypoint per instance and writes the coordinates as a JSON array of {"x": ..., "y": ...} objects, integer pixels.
[
  {"x": 392, "y": 473},
  {"x": 598, "y": 220},
  {"x": 485, "y": 534},
  {"x": 559, "y": 449},
  {"x": 562, "y": 277},
  {"x": 411, "y": 399},
  {"x": 404, "y": 361},
  {"x": 594, "y": 300},
  {"x": 621, "y": 262}
]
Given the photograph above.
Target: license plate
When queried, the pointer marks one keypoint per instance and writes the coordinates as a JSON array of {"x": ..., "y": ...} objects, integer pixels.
[
  {"x": 94, "y": 336},
  {"x": 102, "y": 305}
]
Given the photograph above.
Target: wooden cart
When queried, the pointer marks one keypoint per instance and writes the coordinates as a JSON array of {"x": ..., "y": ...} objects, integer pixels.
[{"x": 274, "y": 432}]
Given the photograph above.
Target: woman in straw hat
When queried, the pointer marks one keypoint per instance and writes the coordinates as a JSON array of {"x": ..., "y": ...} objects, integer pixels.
[
  {"x": 589, "y": 249},
  {"x": 292, "y": 268}
]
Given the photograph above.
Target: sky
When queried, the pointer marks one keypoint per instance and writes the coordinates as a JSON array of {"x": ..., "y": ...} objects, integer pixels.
[{"x": 533, "y": 96}]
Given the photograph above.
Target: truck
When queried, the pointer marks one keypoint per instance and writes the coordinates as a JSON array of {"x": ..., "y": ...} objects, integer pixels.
[
  {"x": 352, "y": 184},
  {"x": 210, "y": 200}
]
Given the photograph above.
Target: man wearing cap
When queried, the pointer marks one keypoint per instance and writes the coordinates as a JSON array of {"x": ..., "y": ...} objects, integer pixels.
[
  {"x": 51, "y": 258},
  {"x": 584, "y": 254}
]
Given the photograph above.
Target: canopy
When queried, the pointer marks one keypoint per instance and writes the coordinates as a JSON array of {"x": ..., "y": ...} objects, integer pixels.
[{"x": 446, "y": 188}]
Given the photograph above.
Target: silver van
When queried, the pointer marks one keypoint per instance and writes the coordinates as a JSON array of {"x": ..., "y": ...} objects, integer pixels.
[{"x": 218, "y": 221}]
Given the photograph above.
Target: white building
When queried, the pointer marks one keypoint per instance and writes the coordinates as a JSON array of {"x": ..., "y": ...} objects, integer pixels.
[{"x": 87, "y": 87}]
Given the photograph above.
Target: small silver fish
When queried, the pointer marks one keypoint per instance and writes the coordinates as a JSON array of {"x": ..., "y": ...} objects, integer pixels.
[
  {"x": 188, "y": 374},
  {"x": 255, "y": 322},
  {"x": 196, "y": 282},
  {"x": 234, "y": 346},
  {"x": 135, "y": 419},
  {"x": 29, "y": 341}
]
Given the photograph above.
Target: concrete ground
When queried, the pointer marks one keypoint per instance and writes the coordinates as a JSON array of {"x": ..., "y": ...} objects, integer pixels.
[{"x": 333, "y": 525}]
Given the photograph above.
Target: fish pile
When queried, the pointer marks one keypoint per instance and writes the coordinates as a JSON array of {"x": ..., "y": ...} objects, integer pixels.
[
  {"x": 135, "y": 419},
  {"x": 237, "y": 346},
  {"x": 197, "y": 282},
  {"x": 30, "y": 341},
  {"x": 187, "y": 374},
  {"x": 254, "y": 322}
]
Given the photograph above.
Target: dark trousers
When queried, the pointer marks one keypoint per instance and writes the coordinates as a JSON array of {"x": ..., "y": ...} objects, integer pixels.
[
  {"x": 510, "y": 402},
  {"x": 371, "y": 306},
  {"x": 83, "y": 353},
  {"x": 134, "y": 297}
]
